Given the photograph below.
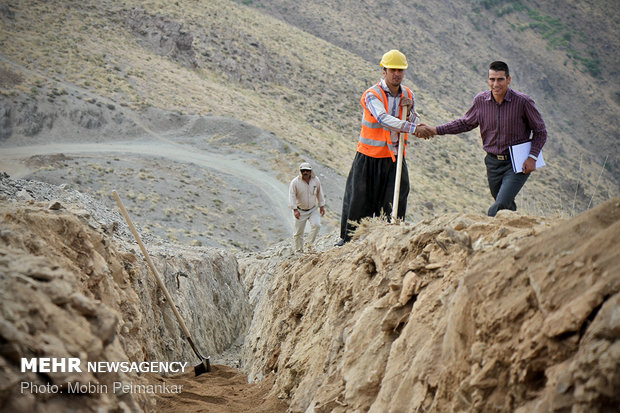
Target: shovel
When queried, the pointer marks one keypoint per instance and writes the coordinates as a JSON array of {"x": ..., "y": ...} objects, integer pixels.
[
  {"x": 205, "y": 365},
  {"x": 399, "y": 168}
]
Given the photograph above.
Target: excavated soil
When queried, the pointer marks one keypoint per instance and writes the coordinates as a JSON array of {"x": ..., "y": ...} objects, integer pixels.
[
  {"x": 73, "y": 285},
  {"x": 223, "y": 390},
  {"x": 460, "y": 313}
]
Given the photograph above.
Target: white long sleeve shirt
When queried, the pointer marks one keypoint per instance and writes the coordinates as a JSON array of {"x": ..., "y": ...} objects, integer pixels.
[
  {"x": 305, "y": 195},
  {"x": 389, "y": 120}
]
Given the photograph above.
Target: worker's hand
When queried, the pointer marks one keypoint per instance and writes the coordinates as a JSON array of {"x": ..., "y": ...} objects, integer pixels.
[
  {"x": 296, "y": 213},
  {"x": 407, "y": 103},
  {"x": 424, "y": 131},
  {"x": 322, "y": 209},
  {"x": 529, "y": 165}
]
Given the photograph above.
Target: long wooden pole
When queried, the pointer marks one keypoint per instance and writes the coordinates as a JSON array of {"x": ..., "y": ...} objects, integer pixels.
[
  {"x": 399, "y": 168},
  {"x": 160, "y": 282}
]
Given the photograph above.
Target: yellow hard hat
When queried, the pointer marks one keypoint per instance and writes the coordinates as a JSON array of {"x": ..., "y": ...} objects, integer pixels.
[{"x": 394, "y": 60}]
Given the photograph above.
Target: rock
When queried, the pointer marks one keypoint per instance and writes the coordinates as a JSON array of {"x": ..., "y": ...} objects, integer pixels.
[
  {"x": 164, "y": 36},
  {"x": 23, "y": 195},
  {"x": 5, "y": 11},
  {"x": 88, "y": 119},
  {"x": 408, "y": 288}
]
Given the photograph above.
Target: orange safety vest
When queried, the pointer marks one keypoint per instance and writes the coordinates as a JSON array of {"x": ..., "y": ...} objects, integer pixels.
[{"x": 374, "y": 140}]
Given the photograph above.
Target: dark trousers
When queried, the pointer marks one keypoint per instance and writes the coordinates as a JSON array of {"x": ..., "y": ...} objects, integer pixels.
[
  {"x": 503, "y": 183},
  {"x": 370, "y": 191}
]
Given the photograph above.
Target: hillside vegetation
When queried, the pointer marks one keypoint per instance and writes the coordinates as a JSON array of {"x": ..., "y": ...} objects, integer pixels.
[
  {"x": 557, "y": 55},
  {"x": 297, "y": 72}
]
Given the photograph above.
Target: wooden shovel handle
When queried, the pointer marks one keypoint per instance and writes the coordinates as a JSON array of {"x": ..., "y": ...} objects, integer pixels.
[
  {"x": 399, "y": 168},
  {"x": 152, "y": 267}
]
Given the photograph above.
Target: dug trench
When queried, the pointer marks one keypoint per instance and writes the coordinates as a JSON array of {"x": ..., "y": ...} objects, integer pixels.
[{"x": 458, "y": 313}]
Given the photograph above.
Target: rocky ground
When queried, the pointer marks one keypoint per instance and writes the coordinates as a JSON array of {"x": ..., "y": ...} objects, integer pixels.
[
  {"x": 72, "y": 285},
  {"x": 461, "y": 313},
  {"x": 456, "y": 313}
]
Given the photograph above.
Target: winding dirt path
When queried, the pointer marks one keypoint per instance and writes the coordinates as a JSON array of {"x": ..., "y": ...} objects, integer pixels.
[{"x": 275, "y": 193}]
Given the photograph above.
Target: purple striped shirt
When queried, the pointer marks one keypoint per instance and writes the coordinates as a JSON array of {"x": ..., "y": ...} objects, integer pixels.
[{"x": 501, "y": 125}]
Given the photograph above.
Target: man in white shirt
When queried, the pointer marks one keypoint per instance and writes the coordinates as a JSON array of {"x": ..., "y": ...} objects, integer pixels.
[{"x": 304, "y": 193}]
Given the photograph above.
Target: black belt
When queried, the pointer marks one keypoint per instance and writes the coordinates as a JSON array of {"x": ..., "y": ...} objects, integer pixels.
[
  {"x": 305, "y": 210},
  {"x": 500, "y": 157}
]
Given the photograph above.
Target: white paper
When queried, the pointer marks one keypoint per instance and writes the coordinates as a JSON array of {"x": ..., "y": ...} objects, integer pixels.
[{"x": 518, "y": 155}]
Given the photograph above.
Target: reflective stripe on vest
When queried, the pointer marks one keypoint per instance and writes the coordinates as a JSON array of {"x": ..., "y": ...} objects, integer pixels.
[{"x": 374, "y": 140}]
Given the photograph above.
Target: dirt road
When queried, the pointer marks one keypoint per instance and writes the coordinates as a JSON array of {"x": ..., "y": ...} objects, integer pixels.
[{"x": 274, "y": 193}]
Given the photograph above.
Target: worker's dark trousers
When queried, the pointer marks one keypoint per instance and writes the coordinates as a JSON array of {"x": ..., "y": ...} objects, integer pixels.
[
  {"x": 370, "y": 191},
  {"x": 503, "y": 183}
]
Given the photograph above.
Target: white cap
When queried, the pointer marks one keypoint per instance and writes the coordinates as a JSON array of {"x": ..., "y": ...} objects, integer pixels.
[{"x": 305, "y": 166}]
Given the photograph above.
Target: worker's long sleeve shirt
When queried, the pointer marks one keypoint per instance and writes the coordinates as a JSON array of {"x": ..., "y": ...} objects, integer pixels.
[
  {"x": 389, "y": 120},
  {"x": 305, "y": 195},
  {"x": 501, "y": 125}
]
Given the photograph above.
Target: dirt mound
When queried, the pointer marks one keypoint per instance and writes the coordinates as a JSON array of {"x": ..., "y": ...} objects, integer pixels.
[
  {"x": 70, "y": 288},
  {"x": 459, "y": 313}
]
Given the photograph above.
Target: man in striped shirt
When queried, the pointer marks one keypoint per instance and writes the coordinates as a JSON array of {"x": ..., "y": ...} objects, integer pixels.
[{"x": 506, "y": 117}]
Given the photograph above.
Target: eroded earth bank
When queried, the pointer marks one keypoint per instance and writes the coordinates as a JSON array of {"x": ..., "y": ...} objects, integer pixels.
[{"x": 459, "y": 313}]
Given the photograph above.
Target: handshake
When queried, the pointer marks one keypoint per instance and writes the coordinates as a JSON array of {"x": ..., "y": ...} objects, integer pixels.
[{"x": 424, "y": 131}]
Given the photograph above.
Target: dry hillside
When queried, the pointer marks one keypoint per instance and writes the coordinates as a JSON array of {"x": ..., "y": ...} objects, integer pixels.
[
  {"x": 556, "y": 54},
  {"x": 199, "y": 112}
]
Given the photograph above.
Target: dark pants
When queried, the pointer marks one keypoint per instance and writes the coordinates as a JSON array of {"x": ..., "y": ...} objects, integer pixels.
[
  {"x": 503, "y": 183},
  {"x": 370, "y": 191}
]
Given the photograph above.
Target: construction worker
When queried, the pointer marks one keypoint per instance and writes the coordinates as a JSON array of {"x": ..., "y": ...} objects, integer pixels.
[
  {"x": 304, "y": 193},
  {"x": 369, "y": 189}
]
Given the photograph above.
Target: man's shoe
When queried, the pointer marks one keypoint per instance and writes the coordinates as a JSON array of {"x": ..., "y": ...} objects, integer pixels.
[{"x": 340, "y": 243}]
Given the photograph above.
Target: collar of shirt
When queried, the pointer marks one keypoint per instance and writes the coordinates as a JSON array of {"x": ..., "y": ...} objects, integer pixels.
[
  {"x": 507, "y": 98},
  {"x": 301, "y": 179},
  {"x": 386, "y": 89}
]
